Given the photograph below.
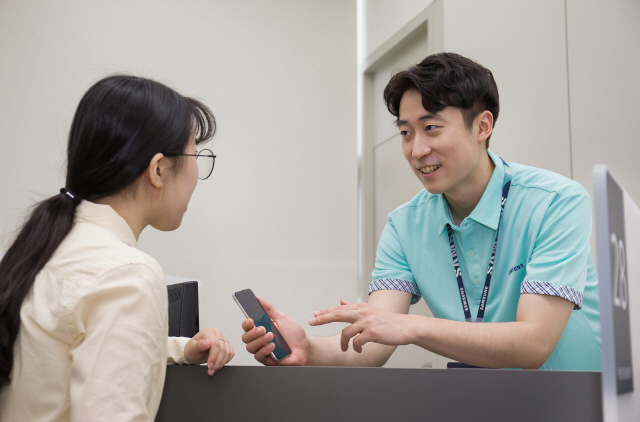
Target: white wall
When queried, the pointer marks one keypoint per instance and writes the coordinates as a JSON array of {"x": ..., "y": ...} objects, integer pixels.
[
  {"x": 604, "y": 58},
  {"x": 279, "y": 214}
]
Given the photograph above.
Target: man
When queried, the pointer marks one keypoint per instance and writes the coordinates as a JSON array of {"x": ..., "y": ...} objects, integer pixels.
[{"x": 499, "y": 251}]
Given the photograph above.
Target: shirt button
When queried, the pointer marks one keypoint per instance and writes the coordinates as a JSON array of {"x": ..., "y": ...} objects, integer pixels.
[
  {"x": 476, "y": 281},
  {"x": 470, "y": 253}
]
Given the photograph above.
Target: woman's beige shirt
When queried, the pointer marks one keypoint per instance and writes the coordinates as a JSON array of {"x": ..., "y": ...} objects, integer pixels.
[{"x": 92, "y": 344}]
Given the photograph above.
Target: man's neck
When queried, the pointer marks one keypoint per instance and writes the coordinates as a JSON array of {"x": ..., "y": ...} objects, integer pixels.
[{"x": 463, "y": 200}]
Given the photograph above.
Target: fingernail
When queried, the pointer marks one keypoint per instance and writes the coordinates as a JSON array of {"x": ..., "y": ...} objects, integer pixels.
[
  {"x": 316, "y": 313},
  {"x": 313, "y": 321},
  {"x": 212, "y": 372},
  {"x": 210, "y": 365},
  {"x": 266, "y": 336}
]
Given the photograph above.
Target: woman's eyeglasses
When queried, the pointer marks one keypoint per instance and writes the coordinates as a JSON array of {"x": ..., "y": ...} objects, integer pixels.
[{"x": 206, "y": 161}]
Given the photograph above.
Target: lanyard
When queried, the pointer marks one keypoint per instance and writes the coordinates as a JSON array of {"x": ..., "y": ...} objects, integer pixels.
[{"x": 454, "y": 256}]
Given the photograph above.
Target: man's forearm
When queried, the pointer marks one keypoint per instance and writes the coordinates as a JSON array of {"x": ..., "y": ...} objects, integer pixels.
[
  {"x": 491, "y": 345},
  {"x": 525, "y": 343},
  {"x": 325, "y": 351}
]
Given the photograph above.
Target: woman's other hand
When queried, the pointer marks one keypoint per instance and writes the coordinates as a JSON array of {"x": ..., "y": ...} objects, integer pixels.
[{"x": 209, "y": 346}]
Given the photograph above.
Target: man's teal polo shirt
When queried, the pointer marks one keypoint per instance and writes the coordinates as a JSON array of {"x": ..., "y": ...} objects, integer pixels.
[{"x": 543, "y": 248}]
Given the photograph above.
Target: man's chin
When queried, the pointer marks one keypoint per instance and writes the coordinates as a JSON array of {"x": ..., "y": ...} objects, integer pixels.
[
  {"x": 430, "y": 185},
  {"x": 432, "y": 188}
]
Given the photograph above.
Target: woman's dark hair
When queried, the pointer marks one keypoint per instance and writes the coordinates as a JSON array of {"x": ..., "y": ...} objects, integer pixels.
[
  {"x": 120, "y": 124},
  {"x": 443, "y": 80}
]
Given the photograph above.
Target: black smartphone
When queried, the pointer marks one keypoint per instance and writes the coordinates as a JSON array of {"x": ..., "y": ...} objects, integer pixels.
[{"x": 249, "y": 304}]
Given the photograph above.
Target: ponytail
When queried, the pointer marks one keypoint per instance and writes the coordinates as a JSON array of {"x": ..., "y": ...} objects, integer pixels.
[{"x": 48, "y": 225}]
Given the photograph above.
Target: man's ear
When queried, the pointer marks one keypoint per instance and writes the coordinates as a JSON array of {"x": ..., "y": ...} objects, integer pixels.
[
  {"x": 484, "y": 122},
  {"x": 157, "y": 170}
]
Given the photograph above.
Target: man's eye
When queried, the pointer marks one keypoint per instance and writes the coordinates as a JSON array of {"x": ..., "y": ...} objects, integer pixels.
[
  {"x": 431, "y": 127},
  {"x": 404, "y": 132}
]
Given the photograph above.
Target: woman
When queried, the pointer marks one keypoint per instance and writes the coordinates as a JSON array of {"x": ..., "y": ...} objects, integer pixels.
[{"x": 83, "y": 312}]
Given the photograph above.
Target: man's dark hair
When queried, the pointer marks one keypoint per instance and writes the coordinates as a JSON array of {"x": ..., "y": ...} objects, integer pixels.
[{"x": 443, "y": 80}]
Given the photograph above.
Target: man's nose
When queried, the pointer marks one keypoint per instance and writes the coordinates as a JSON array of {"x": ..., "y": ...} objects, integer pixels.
[{"x": 420, "y": 147}]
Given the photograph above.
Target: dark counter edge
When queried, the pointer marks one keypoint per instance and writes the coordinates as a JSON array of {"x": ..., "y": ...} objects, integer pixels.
[{"x": 238, "y": 393}]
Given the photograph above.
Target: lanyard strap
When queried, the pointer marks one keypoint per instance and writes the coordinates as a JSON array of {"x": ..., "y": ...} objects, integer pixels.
[{"x": 454, "y": 256}]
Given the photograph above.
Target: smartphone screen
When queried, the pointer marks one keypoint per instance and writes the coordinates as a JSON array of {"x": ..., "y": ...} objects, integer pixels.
[{"x": 252, "y": 309}]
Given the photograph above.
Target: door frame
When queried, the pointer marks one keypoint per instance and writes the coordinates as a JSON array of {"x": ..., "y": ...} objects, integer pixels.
[{"x": 429, "y": 23}]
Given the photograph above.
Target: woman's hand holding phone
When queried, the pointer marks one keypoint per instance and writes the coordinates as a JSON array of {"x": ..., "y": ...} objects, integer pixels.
[{"x": 259, "y": 342}]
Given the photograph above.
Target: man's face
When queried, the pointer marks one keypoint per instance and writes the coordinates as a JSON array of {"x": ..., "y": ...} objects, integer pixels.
[{"x": 442, "y": 152}]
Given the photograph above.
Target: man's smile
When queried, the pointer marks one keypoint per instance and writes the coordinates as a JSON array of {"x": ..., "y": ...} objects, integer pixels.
[{"x": 429, "y": 169}]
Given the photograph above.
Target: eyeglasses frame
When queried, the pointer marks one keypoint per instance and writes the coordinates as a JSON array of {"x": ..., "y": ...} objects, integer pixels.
[{"x": 199, "y": 154}]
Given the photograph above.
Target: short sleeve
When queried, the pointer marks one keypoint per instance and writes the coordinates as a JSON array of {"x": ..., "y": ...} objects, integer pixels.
[
  {"x": 392, "y": 272},
  {"x": 558, "y": 265},
  {"x": 118, "y": 364}
]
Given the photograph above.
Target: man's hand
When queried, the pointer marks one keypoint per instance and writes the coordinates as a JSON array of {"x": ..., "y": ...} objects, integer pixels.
[
  {"x": 259, "y": 344},
  {"x": 368, "y": 324},
  {"x": 210, "y": 346}
]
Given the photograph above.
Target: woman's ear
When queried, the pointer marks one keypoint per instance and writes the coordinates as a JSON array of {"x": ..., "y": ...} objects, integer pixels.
[{"x": 157, "y": 170}]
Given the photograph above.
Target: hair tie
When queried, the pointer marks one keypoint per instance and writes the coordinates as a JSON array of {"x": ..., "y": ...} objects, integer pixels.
[{"x": 70, "y": 194}]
